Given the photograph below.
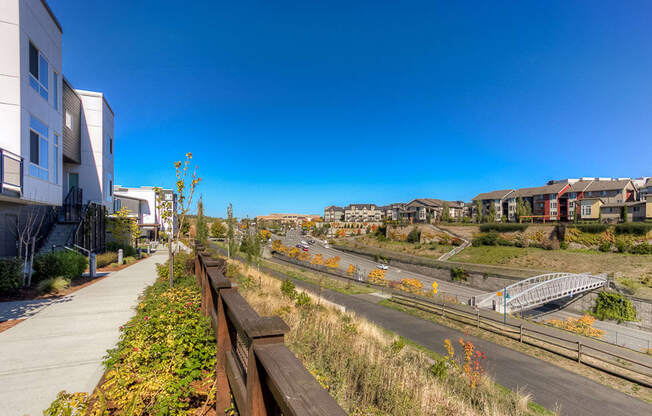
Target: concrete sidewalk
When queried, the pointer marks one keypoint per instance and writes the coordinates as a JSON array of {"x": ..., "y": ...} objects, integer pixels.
[{"x": 62, "y": 346}]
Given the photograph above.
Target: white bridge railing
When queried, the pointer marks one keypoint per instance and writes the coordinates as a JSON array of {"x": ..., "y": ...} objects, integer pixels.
[{"x": 538, "y": 290}]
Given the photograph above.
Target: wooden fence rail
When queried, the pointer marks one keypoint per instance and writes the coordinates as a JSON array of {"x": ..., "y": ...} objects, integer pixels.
[{"x": 253, "y": 362}]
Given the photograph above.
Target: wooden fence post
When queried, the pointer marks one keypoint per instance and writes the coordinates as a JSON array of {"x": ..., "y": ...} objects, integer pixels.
[
  {"x": 520, "y": 333},
  {"x": 477, "y": 324},
  {"x": 579, "y": 351}
]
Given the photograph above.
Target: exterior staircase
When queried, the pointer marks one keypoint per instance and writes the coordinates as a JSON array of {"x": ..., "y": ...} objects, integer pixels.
[{"x": 59, "y": 236}]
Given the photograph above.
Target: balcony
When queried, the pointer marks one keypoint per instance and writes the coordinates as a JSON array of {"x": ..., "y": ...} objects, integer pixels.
[{"x": 11, "y": 174}]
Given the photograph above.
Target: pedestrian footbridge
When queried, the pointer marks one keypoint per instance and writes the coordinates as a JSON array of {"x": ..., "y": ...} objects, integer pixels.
[{"x": 538, "y": 290}]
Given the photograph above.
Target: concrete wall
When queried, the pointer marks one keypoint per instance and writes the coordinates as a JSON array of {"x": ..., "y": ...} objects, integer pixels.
[{"x": 643, "y": 308}]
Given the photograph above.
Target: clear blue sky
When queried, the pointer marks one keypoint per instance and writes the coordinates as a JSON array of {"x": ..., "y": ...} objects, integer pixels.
[{"x": 292, "y": 106}]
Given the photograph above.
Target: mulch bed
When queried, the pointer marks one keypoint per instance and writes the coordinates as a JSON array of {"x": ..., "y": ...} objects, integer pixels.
[{"x": 4, "y": 325}]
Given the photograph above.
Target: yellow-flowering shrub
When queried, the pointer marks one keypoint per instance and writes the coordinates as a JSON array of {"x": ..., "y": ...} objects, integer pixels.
[
  {"x": 583, "y": 326},
  {"x": 377, "y": 277},
  {"x": 411, "y": 285}
]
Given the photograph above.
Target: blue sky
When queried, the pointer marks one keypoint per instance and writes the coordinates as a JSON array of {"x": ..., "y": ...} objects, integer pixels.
[{"x": 292, "y": 106}]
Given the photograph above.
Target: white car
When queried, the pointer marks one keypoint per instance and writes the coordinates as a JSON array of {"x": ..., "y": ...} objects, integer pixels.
[
  {"x": 326, "y": 246},
  {"x": 382, "y": 266},
  {"x": 304, "y": 242}
]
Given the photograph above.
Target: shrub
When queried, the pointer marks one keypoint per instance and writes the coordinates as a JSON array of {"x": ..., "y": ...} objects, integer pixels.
[
  {"x": 288, "y": 290},
  {"x": 592, "y": 228},
  {"x": 303, "y": 300},
  {"x": 184, "y": 265},
  {"x": 414, "y": 236},
  {"x": 636, "y": 228},
  {"x": 643, "y": 248},
  {"x": 614, "y": 306},
  {"x": 503, "y": 227},
  {"x": 10, "y": 276},
  {"x": 53, "y": 284},
  {"x": 104, "y": 259},
  {"x": 68, "y": 264},
  {"x": 458, "y": 274},
  {"x": 605, "y": 246},
  {"x": 623, "y": 246},
  {"x": 127, "y": 250},
  {"x": 129, "y": 260},
  {"x": 489, "y": 239}
]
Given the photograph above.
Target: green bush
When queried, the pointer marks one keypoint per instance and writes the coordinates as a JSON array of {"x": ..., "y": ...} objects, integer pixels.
[
  {"x": 303, "y": 300},
  {"x": 636, "y": 228},
  {"x": 489, "y": 239},
  {"x": 643, "y": 248},
  {"x": 127, "y": 250},
  {"x": 592, "y": 228},
  {"x": 414, "y": 236},
  {"x": 129, "y": 260},
  {"x": 503, "y": 227},
  {"x": 458, "y": 274},
  {"x": 184, "y": 265},
  {"x": 288, "y": 290},
  {"x": 605, "y": 246},
  {"x": 10, "y": 276},
  {"x": 614, "y": 306},
  {"x": 104, "y": 259},
  {"x": 68, "y": 264}
]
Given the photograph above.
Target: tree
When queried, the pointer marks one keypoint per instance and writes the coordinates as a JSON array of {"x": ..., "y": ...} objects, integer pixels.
[
  {"x": 202, "y": 227},
  {"x": 445, "y": 213},
  {"x": 185, "y": 193},
  {"x": 218, "y": 230},
  {"x": 492, "y": 213},
  {"x": 123, "y": 228},
  {"x": 230, "y": 236},
  {"x": 414, "y": 236},
  {"x": 28, "y": 232},
  {"x": 252, "y": 246},
  {"x": 625, "y": 214},
  {"x": 479, "y": 216}
]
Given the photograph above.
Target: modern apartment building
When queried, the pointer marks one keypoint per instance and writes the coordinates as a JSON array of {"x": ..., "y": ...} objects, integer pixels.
[
  {"x": 143, "y": 206},
  {"x": 53, "y": 139},
  {"x": 362, "y": 213},
  {"x": 497, "y": 199},
  {"x": 430, "y": 209},
  {"x": 333, "y": 214}
]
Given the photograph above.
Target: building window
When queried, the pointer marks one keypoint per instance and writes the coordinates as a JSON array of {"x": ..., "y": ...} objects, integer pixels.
[
  {"x": 38, "y": 71},
  {"x": 586, "y": 210},
  {"x": 109, "y": 187},
  {"x": 38, "y": 149},
  {"x": 604, "y": 193},
  {"x": 55, "y": 90},
  {"x": 55, "y": 166}
]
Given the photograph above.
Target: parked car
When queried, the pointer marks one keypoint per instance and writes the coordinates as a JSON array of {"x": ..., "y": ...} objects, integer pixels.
[
  {"x": 304, "y": 242},
  {"x": 311, "y": 242},
  {"x": 304, "y": 248},
  {"x": 382, "y": 266},
  {"x": 299, "y": 246},
  {"x": 326, "y": 246}
]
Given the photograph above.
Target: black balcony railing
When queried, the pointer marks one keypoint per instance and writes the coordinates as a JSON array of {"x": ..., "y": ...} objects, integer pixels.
[{"x": 11, "y": 173}]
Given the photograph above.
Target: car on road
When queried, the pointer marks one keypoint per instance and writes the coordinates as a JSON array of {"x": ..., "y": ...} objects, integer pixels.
[
  {"x": 304, "y": 242},
  {"x": 299, "y": 246},
  {"x": 311, "y": 242},
  {"x": 326, "y": 246},
  {"x": 304, "y": 248},
  {"x": 382, "y": 266}
]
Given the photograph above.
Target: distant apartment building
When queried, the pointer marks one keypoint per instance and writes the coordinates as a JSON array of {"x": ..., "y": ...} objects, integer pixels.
[
  {"x": 54, "y": 148},
  {"x": 291, "y": 219},
  {"x": 362, "y": 213},
  {"x": 153, "y": 216},
  {"x": 431, "y": 210},
  {"x": 333, "y": 214},
  {"x": 496, "y": 199}
]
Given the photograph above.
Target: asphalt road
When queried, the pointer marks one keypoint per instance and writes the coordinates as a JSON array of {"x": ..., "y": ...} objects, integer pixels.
[
  {"x": 365, "y": 265},
  {"x": 551, "y": 386}
]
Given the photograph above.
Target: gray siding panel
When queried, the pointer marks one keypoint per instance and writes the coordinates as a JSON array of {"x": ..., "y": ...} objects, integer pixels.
[{"x": 71, "y": 136}]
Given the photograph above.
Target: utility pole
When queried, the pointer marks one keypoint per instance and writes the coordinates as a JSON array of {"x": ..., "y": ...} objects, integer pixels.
[{"x": 229, "y": 215}]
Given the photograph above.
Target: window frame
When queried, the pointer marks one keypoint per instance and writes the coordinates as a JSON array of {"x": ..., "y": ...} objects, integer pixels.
[
  {"x": 36, "y": 81},
  {"x": 42, "y": 171}
]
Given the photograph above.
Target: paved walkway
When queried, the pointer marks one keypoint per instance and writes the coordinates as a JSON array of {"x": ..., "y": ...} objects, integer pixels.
[{"x": 62, "y": 346}]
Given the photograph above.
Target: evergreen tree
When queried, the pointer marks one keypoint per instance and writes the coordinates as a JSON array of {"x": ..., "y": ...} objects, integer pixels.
[
  {"x": 445, "y": 213},
  {"x": 202, "y": 227},
  {"x": 492, "y": 213}
]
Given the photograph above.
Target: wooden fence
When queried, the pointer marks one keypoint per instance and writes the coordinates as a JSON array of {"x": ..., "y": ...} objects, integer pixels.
[{"x": 253, "y": 362}]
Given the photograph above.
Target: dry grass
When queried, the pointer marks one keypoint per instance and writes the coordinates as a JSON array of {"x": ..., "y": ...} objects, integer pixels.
[
  {"x": 370, "y": 371},
  {"x": 420, "y": 249},
  {"x": 558, "y": 260}
]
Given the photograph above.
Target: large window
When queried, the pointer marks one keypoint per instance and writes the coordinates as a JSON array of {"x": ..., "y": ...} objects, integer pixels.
[
  {"x": 109, "y": 187},
  {"x": 55, "y": 166},
  {"x": 38, "y": 149},
  {"x": 38, "y": 71},
  {"x": 55, "y": 90}
]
